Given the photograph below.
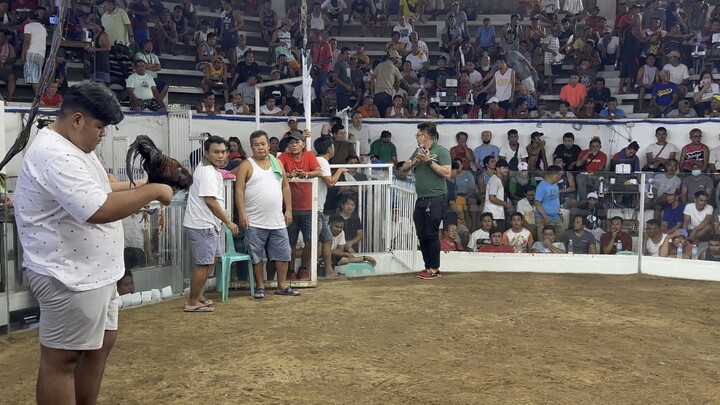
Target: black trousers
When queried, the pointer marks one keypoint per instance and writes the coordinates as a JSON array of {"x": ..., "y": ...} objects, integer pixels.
[
  {"x": 382, "y": 102},
  {"x": 428, "y": 214}
]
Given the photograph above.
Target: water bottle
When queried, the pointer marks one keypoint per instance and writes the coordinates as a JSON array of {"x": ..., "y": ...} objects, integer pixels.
[
  {"x": 618, "y": 247},
  {"x": 694, "y": 252},
  {"x": 680, "y": 252},
  {"x": 570, "y": 251}
]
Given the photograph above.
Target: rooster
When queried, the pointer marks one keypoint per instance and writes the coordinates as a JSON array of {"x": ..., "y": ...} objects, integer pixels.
[{"x": 160, "y": 168}]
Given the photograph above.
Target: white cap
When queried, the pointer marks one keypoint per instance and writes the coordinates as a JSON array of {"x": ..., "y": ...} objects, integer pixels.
[
  {"x": 592, "y": 195},
  {"x": 522, "y": 166},
  {"x": 493, "y": 100}
]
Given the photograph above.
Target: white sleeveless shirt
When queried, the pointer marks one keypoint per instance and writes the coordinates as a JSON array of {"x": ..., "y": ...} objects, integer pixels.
[
  {"x": 317, "y": 22},
  {"x": 264, "y": 198},
  {"x": 503, "y": 87}
]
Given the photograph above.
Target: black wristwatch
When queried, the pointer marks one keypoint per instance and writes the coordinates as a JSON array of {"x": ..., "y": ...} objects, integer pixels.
[{"x": 430, "y": 162}]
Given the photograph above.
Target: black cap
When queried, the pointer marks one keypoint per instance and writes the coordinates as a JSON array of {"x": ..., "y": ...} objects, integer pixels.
[
  {"x": 297, "y": 135},
  {"x": 502, "y": 163}
]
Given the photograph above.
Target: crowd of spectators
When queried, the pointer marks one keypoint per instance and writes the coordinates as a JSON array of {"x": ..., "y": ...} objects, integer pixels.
[
  {"x": 496, "y": 73},
  {"x": 519, "y": 198},
  {"x": 488, "y": 73}
]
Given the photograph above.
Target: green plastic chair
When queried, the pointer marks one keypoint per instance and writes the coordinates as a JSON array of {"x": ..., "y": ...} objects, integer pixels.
[{"x": 226, "y": 260}]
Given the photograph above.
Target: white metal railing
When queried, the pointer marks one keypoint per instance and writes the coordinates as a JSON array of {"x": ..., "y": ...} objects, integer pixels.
[
  {"x": 401, "y": 237},
  {"x": 180, "y": 132}
]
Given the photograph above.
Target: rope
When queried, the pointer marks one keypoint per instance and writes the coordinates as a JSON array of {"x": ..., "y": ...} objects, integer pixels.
[{"x": 46, "y": 79}]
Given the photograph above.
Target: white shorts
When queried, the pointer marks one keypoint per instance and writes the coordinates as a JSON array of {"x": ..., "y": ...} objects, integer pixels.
[
  {"x": 74, "y": 320},
  {"x": 529, "y": 84}
]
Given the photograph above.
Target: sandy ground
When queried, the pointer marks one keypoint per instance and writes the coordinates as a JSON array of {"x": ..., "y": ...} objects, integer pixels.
[{"x": 463, "y": 339}]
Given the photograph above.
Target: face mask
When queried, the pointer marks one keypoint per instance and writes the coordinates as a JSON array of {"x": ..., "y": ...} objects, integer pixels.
[{"x": 696, "y": 172}]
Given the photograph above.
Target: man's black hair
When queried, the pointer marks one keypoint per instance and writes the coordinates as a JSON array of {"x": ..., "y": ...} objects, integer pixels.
[
  {"x": 429, "y": 128},
  {"x": 255, "y": 135},
  {"x": 336, "y": 218},
  {"x": 93, "y": 98},
  {"x": 385, "y": 134},
  {"x": 213, "y": 139},
  {"x": 336, "y": 128},
  {"x": 323, "y": 144}
]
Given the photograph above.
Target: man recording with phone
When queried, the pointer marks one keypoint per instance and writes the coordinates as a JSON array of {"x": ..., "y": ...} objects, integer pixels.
[{"x": 431, "y": 163}]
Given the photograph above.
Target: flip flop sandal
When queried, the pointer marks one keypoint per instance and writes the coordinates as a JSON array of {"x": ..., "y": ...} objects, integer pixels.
[
  {"x": 288, "y": 291},
  {"x": 259, "y": 293},
  {"x": 207, "y": 302},
  {"x": 203, "y": 308}
]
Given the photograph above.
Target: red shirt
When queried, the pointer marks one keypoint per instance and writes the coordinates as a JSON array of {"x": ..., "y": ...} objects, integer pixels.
[
  {"x": 320, "y": 52},
  {"x": 596, "y": 163},
  {"x": 499, "y": 114},
  {"x": 53, "y": 101},
  {"x": 448, "y": 246},
  {"x": 625, "y": 240},
  {"x": 301, "y": 192},
  {"x": 495, "y": 249}
]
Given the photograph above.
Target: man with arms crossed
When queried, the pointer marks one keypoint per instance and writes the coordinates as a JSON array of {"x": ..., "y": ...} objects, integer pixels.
[
  {"x": 68, "y": 214},
  {"x": 432, "y": 168},
  {"x": 261, "y": 189}
]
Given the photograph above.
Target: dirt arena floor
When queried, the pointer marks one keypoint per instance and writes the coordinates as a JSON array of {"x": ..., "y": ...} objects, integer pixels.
[{"x": 482, "y": 338}]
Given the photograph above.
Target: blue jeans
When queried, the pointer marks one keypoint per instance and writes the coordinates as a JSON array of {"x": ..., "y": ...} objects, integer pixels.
[{"x": 320, "y": 80}]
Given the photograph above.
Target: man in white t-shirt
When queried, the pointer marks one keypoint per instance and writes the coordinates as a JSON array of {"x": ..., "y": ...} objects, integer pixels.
[
  {"x": 204, "y": 216},
  {"x": 270, "y": 108},
  {"x": 654, "y": 238},
  {"x": 340, "y": 255},
  {"x": 481, "y": 236},
  {"x": 679, "y": 73},
  {"x": 698, "y": 218},
  {"x": 495, "y": 202},
  {"x": 33, "y": 50},
  {"x": 325, "y": 149},
  {"x": 404, "y": 29},
  {"x": 68, "y": 216},
  {"x": 714, "y": 162},
  {"x": 261, "y": 190},
  {"x": 660, "y": 152},
  {"x": 518, "y": 237},
  {"x": 357, "y": 132},
  {"x": 142, "y": 90},
  {"x": 513, "y": 153}
]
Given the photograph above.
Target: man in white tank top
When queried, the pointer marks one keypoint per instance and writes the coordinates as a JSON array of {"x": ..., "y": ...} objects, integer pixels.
[
  {"x": 504, "y": 83},
  {"x": 654, "y": 238},
  {"x": 261, "y": 189}
]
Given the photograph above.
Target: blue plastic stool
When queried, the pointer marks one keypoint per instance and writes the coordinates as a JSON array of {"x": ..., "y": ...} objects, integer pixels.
[
  {"x": 359, "y": 268},
  {"x": 226, "y": 260}
]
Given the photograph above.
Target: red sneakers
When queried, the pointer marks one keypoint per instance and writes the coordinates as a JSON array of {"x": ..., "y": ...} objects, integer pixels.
[{"x": 428, "y": 275}]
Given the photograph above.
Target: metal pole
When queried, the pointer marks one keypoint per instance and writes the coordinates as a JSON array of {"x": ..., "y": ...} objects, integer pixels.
[{"x": 641, "y": 225}]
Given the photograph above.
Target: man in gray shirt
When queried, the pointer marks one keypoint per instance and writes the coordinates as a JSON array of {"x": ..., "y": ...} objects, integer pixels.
[
  {"x": 654, "y": 12},
  {"x": 583, "y": 241},
  {"x": 694, "y": 183},
  {"x": 341, "y": 74}
]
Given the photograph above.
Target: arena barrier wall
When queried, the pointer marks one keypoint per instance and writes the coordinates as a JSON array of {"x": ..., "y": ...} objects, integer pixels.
[{"x": 177, "y": 132}]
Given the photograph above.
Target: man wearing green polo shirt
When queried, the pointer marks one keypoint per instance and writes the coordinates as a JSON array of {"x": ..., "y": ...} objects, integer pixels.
[
  {"x": 432, "y": 168},
  {"x": 384, "y": 149}
]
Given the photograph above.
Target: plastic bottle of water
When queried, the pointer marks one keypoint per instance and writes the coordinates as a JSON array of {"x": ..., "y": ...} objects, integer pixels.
[
  {"x": 694, "y": 252},
  {"x": 680, "y": 252},
  {"x": 618, "y": 247},
  {"x": 570, "y": 248}
]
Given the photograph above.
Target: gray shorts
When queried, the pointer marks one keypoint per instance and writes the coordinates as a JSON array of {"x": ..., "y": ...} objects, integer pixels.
[
  {"x": 74, "y": 320},
  {"x": 204, "y": 245},
  {"x": 274, "y": 242}
]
